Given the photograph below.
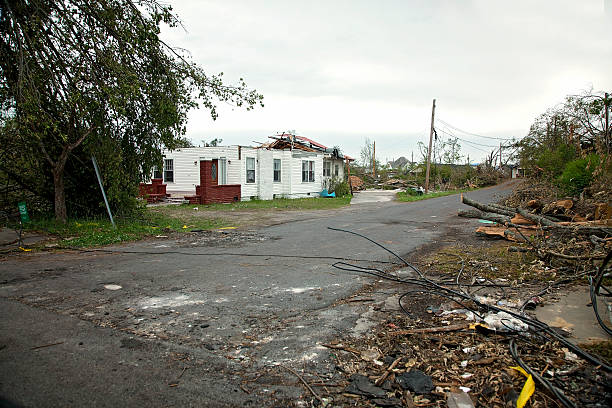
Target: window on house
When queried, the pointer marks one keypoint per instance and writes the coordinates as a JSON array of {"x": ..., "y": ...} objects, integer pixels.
[
  {"x": 222, "y": 171},
  {"x": 213, "y": 171},
  {"x": 157, "y": 174},
  {"x": 277, "y": 170},
  {"x": 326, "y": 168},
  {"x": 169, "y": 170},
  {"x": 336, "y": 170},
  {"x": 308, "y": 167},
  {"x": 250, "y": 169}
]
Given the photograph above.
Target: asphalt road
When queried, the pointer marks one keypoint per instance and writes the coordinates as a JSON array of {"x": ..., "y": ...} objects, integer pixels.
[{"x": 206, "y": 320}]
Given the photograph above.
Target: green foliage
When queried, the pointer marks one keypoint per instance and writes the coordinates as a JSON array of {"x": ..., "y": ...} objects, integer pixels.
[
  {"x": 553, "y": 161},
  {"x": 578, "y": 174},
  {"x": 81, "y": 78},
  {"x": 90, "y": 232},
  {"x": 405, "y": 196},
  {"x": 561, "y": 134},
  {"x": 315, "y": 203},
  {"x": 340, "y": 187}
]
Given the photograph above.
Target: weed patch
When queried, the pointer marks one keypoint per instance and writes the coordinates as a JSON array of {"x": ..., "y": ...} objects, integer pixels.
[
  {"x": 83, "y": 233},
  {"x": 404, "y": 196}
]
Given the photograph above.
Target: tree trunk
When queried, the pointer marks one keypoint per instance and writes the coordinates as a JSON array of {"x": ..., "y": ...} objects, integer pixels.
[{"x": 60, "y": 194}]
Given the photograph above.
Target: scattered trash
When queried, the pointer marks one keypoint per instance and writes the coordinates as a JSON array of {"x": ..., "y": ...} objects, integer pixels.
[
  {"x": 528, "y": 388},
  {"x": 502, "y": 321},
  {"x": 361, "y": 385},
  {"x": 415, "y": 381},
  {"x": 112, "y": 287},
  {"x": 370, "y": 355},
  {"x": 459, "y": 400}
]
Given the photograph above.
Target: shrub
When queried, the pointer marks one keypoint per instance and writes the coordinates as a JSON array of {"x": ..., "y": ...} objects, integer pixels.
[
  {"x": 341, "y": 188},
  {"x": 578, "y": 174}
]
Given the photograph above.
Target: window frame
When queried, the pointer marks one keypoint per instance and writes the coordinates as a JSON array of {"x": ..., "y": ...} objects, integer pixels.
[
  {"x": 276, "y": 176},
  {"x": 308, "y": 171},
  {"x": 168, "y": 170},
  {"x": 326, "y": 168},
  {"x": 252, "y": 161},
  {"x": 336, "y": 170}
]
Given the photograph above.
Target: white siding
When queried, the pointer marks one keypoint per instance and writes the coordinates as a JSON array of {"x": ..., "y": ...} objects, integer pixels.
[
  {"x": 187, "y": 166},
  {"x": 305, "y": 189},
  {"x": 187, "y": 171}
]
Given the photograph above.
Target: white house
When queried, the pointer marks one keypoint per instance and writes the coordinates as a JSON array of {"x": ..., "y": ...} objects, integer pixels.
[{"x": 289, "y": 166}]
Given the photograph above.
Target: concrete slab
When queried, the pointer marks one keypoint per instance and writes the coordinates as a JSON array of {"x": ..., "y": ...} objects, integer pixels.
[
  {"x": 573, "y": 311},
  {"x": 374, "y": 196}
]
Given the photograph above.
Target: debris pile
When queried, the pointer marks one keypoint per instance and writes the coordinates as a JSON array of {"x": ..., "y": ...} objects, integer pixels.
[
  {"x": 541, "y": 230},
  {"x": 356, "y": 183},
  {"x": 454, "y": 346}
]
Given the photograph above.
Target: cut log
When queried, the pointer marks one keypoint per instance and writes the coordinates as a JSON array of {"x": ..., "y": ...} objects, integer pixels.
[
  {"x": 518, "y": 219},
  {"x": 603, "y": 212},
  {"x": 495, "y": 232},
  {"x": 503, "y": 207},
  {"x": 485, "y": 208},
  {"x": 501, "y": 219},
  {"x": 535, "y": 204},
  {"x": 565, "y": 204},
  {"x": 537, "y": 219}
]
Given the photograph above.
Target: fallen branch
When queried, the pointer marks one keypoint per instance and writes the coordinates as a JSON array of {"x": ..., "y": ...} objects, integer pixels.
[
  {"x": 314, "y": 394},
  {"x": 500, "y": 219},
  {"x": 486, "y": 208},
  {"x": 383, "y": 377},
  {"x": 537, "y": 219},
  {"x": 341, "y": 347},
  {"x": 574, "y": 257},
  {"x": 452, "y": 327},
  {"x": 568, "y": 226}
]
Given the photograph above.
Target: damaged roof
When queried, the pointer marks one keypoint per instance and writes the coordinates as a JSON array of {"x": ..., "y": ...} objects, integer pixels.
[{"x": 290, "y": 141}]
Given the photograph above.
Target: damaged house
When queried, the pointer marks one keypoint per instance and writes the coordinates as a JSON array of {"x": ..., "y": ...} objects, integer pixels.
[{"x": 288, "y": 166}]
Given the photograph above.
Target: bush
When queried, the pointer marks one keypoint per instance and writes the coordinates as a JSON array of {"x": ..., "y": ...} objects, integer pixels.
[
  {"x": 341, "y": 188},
  {"x": 554, "y": 161},
  {"x": 578, "y": 174}
]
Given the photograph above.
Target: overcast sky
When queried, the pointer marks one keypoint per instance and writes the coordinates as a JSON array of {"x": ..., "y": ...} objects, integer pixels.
[{"x": 340, "y": 71}]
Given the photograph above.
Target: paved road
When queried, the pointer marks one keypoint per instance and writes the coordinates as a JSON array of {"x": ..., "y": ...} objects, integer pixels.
[{"x": 205, "y": 320}]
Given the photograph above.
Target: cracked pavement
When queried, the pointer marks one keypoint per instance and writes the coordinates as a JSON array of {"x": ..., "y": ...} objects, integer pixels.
[{"x": 206, "y": 319}]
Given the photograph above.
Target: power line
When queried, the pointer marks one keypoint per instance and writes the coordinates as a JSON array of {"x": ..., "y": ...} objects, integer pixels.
[
  {"x": 472, "y": 144},
  {"x": 472, "y": 134}
]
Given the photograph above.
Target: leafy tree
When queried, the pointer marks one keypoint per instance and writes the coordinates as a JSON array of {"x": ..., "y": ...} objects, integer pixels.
[
  {"x": 367, "y": 153},
  {"x": 574, "y": 128},
  {"x": 215, "y": 142},
  {"x": 83, "y": 77},
  {"x": 451, "y": 151}
]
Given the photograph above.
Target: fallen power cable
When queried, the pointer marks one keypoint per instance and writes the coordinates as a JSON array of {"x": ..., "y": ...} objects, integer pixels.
[{"x": 536, "y": 328}]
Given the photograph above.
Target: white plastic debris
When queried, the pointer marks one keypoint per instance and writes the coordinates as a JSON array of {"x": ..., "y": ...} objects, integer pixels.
[
  {"x": 112, "y": 287},
  {"x": 504, "y": 322}
]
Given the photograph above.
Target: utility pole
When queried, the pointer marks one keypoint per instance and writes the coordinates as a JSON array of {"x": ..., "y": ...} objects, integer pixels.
[
  {"x": 374, "y": 160},
  {"x": 431, "y": 131},
  {"x": 500, "y": 156}
]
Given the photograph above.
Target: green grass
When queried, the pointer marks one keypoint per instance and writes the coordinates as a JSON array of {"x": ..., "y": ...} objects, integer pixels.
[
  {"x": 405, "y": 197},
  {"x": 278, "y": 203},
  {"x": 83, "y": 233}
]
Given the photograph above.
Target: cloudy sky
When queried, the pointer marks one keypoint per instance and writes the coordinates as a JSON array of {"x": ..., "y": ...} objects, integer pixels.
[{"x": 340, "y": 71}]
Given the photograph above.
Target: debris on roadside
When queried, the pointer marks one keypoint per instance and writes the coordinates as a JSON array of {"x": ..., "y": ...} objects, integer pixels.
[{"x": 468, "y": 335}]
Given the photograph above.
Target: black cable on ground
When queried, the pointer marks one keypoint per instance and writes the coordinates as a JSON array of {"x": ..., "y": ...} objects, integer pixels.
[
  {"x": 554, "y": 390},
  {"x": 595, "y": 284},
  {"x": 533, "y": 323}
]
